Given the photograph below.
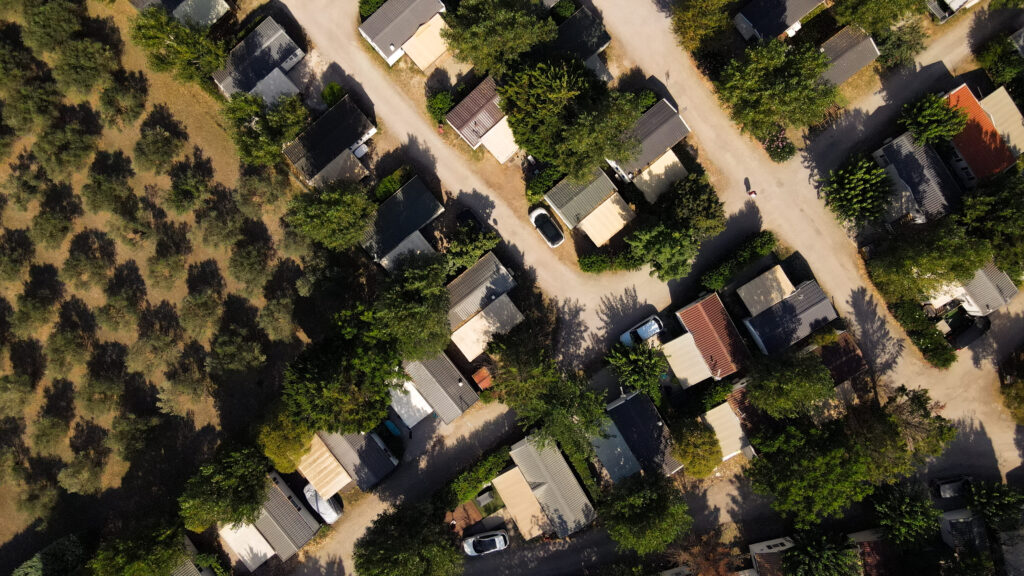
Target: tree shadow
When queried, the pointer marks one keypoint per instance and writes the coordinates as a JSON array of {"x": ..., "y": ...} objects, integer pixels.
[
  {"x": 971, "y": 452},
  {"x": 413, "y": 152},
  {"x": 205, "y": 276},
  {"x": 752, "y": 511},
  {"x": 283, "y": 279},
  {"x": 90, "y": 440},
  {"x": 28, "y": 360},
  {"x": 58, "y": 402},
  {"x": 1005, "y": 335},
  {"x": 161, "y": 118},
  {"x": 987, "y": 24},
  {"x": 881, "y": 348}
]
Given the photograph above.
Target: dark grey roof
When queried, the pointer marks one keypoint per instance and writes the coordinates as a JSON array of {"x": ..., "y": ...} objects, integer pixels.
[
  {"x": 574, "y": 201},
  {"x": 659, "y": 129},
  {"x": 186, "y": 568},
  {"x": 477, "y": 113},
  {"x": 477, "y": 287},
  {"x": 396, "y": 21},
  {"x": 333, "y": 133},
  {"x": 441, "y": 384},
  {"x": 281, "y": 521},
  {"x": 405, "y": 212},
  {"x": 848, "y": 52},
  {"x": 582, "y": 34},
  {"x": 793, "y": 319},
  {"x": 255, "y": 57},
  {"x": 554, "y": 485},
  {"x": 361, "y": 456},
  {"x": 645, "y": 432},
  {"x": 773, "y": 17},
  {"x": 924, "y": 173},
  {"x": 991, "y": 288}
]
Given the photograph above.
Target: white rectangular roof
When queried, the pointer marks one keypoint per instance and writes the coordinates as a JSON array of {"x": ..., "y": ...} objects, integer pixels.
[
  {"x": 426, "y": 45},
  {"x": 248, "y": 544},
  {"x": 500, "y": 142},
  {"x": 607, "y": 219},
  {"x": 410, "y": 405},
  {"x": 498, "y": 317},
  {"x": 728, "y": 430},
  {"x": 1006, "y": 117},
  {"x": 322, "y": 469},
  {"x": 521, "y": 503},
  {"x": 660, "y": 176},
  {"x": 686, "y": 361}
]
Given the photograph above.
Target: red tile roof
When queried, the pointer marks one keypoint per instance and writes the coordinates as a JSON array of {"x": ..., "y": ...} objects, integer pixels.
[
  {"x": 714, "y": 334},
  {"x": 980, "y": 143}
]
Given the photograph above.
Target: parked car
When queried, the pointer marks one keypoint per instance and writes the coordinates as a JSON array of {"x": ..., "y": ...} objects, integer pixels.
[
  {"x": 330, "y": 509},
  {"x": 545, "y": 224},
  {"x": 485, "y": 543},
  {"x": 961, "y": 329},
  {"x": 950, "y": 487},
  {"x": 644, "y": 331}
]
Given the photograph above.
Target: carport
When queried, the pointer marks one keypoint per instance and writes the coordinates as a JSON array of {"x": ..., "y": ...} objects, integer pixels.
[
  {"x": 660, "y": 176},
  {"x": 607, "y": 219},
  {"x": 426, "y": 45}
]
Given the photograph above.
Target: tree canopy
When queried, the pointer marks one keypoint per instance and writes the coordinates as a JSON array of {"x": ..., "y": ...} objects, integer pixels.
[
  {"x": 336, "y": 216},
  {"x": 907, "y": 516},
  {"x": 639, "y": 367},
  {"x": 791, "y": 385},
  {"x": 494, "y": 35},
  {"x": 931, "y": 120},
  {"x": 417, "y": 296},
  {"x": 775, "y": 85},
  {"x": 1000, "y": 505},
  {"x": 259, "y": 130},
  {"x": 859, "y": 192},
  {"x": 817, "y": 554},
  {"x": 229, "y": 489},
  {"x": 158, "y": 550},
  {"x": 875, "y": 16},
  {"x": 645, "y": 513},
  {"x": 172, "y": 46},
  {"x": 411, "y": 539},
  {"x": 995, "y": 212}
]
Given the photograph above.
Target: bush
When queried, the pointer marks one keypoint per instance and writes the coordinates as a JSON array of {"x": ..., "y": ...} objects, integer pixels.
[
  {"x": 368, "y": 7},
  {"x": 16, "y": 252},
  {"x": 191, "y": 179},
  {"x": 922, "y": 332},
  {"x": 779, "y": 147},
  {"x": 201, "y": 307},
  {"x": 252, "y": 255},
  {"x": 58, "y": 211},
  {"x": 391, "y": 183},
  {"x": 538, "y": 185},
  {"x": 332, "y": 94},
  {"x": 696, "y": 447},
  {"x": 84, "y": 63},
  {"x": 82, "y": 475},
  {"x": 91, "y": 257},
  {"x": 167, "y": 264},
  {"x": 67, "y": 143},
  {"x": 468, "y": 484},
  {"x": 161, "y": 139},
  {"x": 563, "y": 9},
  {"x": 124, "y": 98},
  {"x": 63, "y": 557},
  {"x": 757, "y": 246},
  {"x": 697, "y": 21},
  {"x": 467, "y": 244},
  {"x": 439, "y": 104}
]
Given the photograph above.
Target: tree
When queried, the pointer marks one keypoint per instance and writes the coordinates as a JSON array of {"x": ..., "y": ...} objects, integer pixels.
[
  {"x": 639, "y": 367},
  {"x": 696, "y": 447},
  {"x": 229, "y": 489},
  {"x": 123, "y": 99},
  {"x": 67, "y": 142},
  {"x": 126, "y": 294},
  {"x": 83, "y": 63},
  {"x": 52, "y": 23},
  {"x": 467, "y": 244},
  {"x": 816, "y": 554},
  {"x": 40, "y": 294},
  {"x": 693, "y": 206},
  {"x": 1000, "y": 505},
  {"x": 1000, "y": 60},
  {"x": 260, "y": 186},
  {"x": 697, "y": 21},
  {"x": 908, "y": 518},
  {"x": 995, "y": 212},
  {"x": 777, "y": 85},
  {"x": 106, "y": 375},
  {"x": 931, "y": 120},
  {"x": 161, "y": 139},
  {"x": 899, "y": 46},
  {"x": 201, "y": 308},
  {"x": 155, "y": 549},
  {"x": 645, "y": 514},
  {"x": 790, "y": 386},
  {"x": 72, "y": 337},
  {"x": 16, "y": 252},
  {"x": 259, "y": 130},
  {"x": 418, "y": 296},
  {"x": 28, "y": 364},
  {"x": 859, "y": 192},
  {"x": 188, "y": 374},
  {"x": 236, "y": 347},
  {"x": 91, "y": 257},
  {"x": 875, "y": 16},
  {"x": 191, "y": 179},
  {"x": 58, "y": 210},
  {"x": 284, "y": 440},
  {"x": 61, "y": 557},
  {"x": 332, "y": 93},
  {"x": 218, "y": 218},
  {"x": 167, "y": 264},
  {"x": 493, "y": 36},
  {"x": 439, "y": 104},
  {"x": 109, "y": 188},
  {"x": 159, "y": 334},
  {"x": 336, "y": 216},
  {"x": 411, "y": 539},
  {"x": 252, "y": 255},
  {"x": 170, "y": 45},
  {"x": 670, "y": 251},
  {"x": 27, "y": 181},
  {"x": 276, "y": 319},
  {"x": 82, "y": 475}
]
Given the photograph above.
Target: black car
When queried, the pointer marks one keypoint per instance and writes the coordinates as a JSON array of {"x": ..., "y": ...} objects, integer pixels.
[
  {"x": 961, "y": 329},
  {"x": 545, "y": 224}
]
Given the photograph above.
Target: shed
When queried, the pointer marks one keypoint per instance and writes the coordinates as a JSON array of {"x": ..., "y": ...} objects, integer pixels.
[
  {"x": 645, "y": 431},
  {"x": 524, "y": 507},
  {"x": 714, "y": 335},
  {"x": 499, "y": 317},
  {"x": 322, "y": 469},
  {"x": 686, "y": 361},
  {"x": 363, "y": 456},
  {"x": 614, "y": 454},
  {"x": 767, "y": 19},
  {"x": 765, "y": 291},
  {"x": 726, "y": 425},
  {"x": 264, "y": 50},
  {"x": 660, "y": 176},
  {"x": 441, "y": 384},
  {"x": 395, "y": 23},
  {"x": 565, "y": 504},
  {"x": 412, "y": 207},
  {"x": 792, "y": 320},
  {"x": 409, "y": 404},
  {"x": 1006, "y": 117},
  {"x": 607, "y": 220},
  {"x": 426, "y": 45},
  {"x": 324, "y": 151},
  {"x": 251, "y": 548},
  {"x": 658, "y": 129},
  {"x": 849, "y": 51}
]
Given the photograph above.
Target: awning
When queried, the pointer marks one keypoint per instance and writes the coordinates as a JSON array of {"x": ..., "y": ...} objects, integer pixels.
[
  {"x": 248, "y": 544},
  {"x": 607, "y": 219},
  {"x": 686, "y": 361},
  {"x": 498, "y": 317},
  {"x": 766, "y": 290},
  {"x": 524, "y": 507},
  {"x": 410, "y": 406},
  {"x": 728, "y": 430},
  {"x": 660, "y": 176},
  {"x": 323, "y": 470},
  {"x": 426, "y": 45},
  {"x": 500, "y": 142}
]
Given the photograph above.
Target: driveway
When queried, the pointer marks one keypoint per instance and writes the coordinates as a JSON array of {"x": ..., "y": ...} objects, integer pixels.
[{"x": 601, "y": 306}]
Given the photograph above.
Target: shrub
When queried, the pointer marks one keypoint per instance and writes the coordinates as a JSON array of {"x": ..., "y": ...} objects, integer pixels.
[
  {"x": 161, "y": 139},
  {"x": 390, "y": 184},
  {"x": 439, "y": 104},
  {"x": 91, "y": 257},
  {"x": 332, "y": 94},
  {"x": 696, "y": 447},
  {"x": 191, "y": 179},
  {"x": 922, "y": 332},
  {"x": 167, "y": 264},
  {"x": 468, "y": 484},
  {"x": 368, "y": 7},
  {"x": 252, "y": 255},
  {"x": 538, "y": 185},
  {"x": 58, "y": 211},
  {"x": 82, "y": 475},
  {"x": 123, "y": 99},
  {"x": 697, "y": 21},
  {"x": 779, "y": 147},
  {"x": 16, "y": 252},
  {"x": 757, "y": 246},
  {"x": 466, "y": 244},
  {"x": 32, "y": 103},
  {"x": 69, "y": 140},
  {"x": 83, "y": 63},
  {"x": 109, "y": 186}
]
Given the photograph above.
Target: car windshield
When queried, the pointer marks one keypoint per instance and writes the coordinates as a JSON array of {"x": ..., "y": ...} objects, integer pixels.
[
  {"x": 648, "y": 329},
  {"x": 485, "y": 545},
  {"x": 548, "y": 228}
]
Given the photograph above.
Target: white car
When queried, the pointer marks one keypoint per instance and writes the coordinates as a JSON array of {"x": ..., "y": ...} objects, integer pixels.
[
  {"x": 545, "y": 224},
  {"x": 485, "y": 543},
  {"x": 329, "y": 509},
  {"x": 642, "y": 332}
]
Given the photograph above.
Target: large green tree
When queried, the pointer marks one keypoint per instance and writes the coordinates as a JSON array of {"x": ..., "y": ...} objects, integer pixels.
[
  {"x": 645, "y": 513},
  {"x": 1000, "y": 505},
  {"x": 639, "y": 367},
  {"x": 411, "y": 539},
  {"x": 192, "y": 54},
  {"x": 229, "y": 489},
  {"x": 155, "y": 550},
  {"x": 791, "y": 385},
  {"x": 931, "y": 120},
  {"x": 494, "y": 35},
  {"x": 336, "y": 216},
  {"x": 995, "y": 212},
  {"x": 908, "y": 518},
  {"x": 417, "y": 296},
  {"x": 875, "y": 16},
  {"x": 777, "y": 84},
  {"x": 816, "y": 554},
  {"x": 859, "y": 192},
  {"x": 696, "y": 447},
  {"x": 259, "y": 130}
]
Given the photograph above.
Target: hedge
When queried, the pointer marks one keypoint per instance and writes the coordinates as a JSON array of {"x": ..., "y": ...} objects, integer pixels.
[
  {"x": 759, "y": 245},
  {"x": 468, "y": 484},
  {"x": 922, "y": 332},
  {"x": 599, "y": 262},
  {"x": 538, "y": 185}
]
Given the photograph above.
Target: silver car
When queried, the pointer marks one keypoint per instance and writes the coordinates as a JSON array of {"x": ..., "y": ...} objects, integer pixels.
[
  {"x": 642, "y": 332},
  {"x": 328, "y": 508},
  {"x": 485, "y": 543}
]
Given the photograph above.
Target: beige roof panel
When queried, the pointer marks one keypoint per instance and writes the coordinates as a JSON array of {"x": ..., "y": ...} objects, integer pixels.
[
  {"x": 766, "y": 290},
  {"x": 660, "y": 176},
  {"x": 410, "y": 405},
  {"x": 728, "y": 430},
  {"x": 498, "y": 317},
  {"x": 1007, "y": 119},
  {"x": 248, "y": 544},
  {"x": 607, "y": 220},
  {"x": 522, "y": 504},
  {"x": 686, "y": 361},
  {"x": 322, "y": 469},
  {"x": 426, "y": 45},
  {"x": 500, "y": 142}
]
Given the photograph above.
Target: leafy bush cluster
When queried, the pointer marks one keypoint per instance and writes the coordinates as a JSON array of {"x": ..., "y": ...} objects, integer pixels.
[
  {"x": 757, "y": 246},
  {"x": 468, "y": 484},
  {"x": 696, "y": 447}
]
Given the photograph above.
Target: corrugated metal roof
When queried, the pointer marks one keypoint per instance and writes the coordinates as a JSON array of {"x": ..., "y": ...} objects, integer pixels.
[
  {"x": 765, "y": 291},
  {"x": 361, "y": 456},
  {"x": 659, "y": 129},
  {"x": 979, "y": 143},
  {"x": 186, "y": 568},
  {"x": 991, "y": 289},
  {"x": 332, "y": 133},
  {"x": 773, "y": 17},
  {"x": 793, "y": 319},
  {"x": 477, "y": 113},
  {"x": 201, "y": 13},
  {"x": 477, "y": 287},
  {"x": 405, "y": 212},
  {"x": 396, "y": 21},
  {"x": 582, "y": 35},
  {"x": 441, "y": 384},
  {"x": 645, "y": 432},
  {"x": 614, "y": 454},
  {"x": 498, "y": 317},
  {"x": 265, "y": 48},
  {"x": 552, "y": 482},
  {"x": 284, "y": 522},
  {"x": 848, "y": 52},
  {"x": 1006, "y": 117},
  {"x": 574, "y": 201},
  {"x": 923, "y": 171},
  {"x": 715, "y": 335}
]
